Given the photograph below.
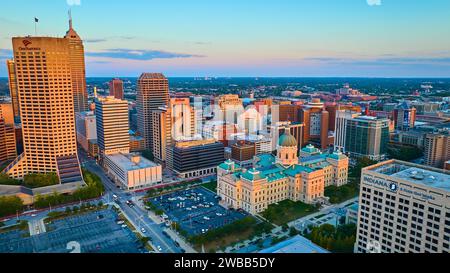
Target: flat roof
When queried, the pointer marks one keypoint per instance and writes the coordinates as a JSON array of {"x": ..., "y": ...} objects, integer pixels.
[
  {"x": 297, "y": 244},
  {"x": 430, "y": 177},
  {"x": 425, "y": 177},
  {"x": 125, "y": 161}
]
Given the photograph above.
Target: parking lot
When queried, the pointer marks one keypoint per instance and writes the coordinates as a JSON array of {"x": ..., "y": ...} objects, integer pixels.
[
  {"x": 96, "y": 232},
  {"x": 195, "y": 210}
]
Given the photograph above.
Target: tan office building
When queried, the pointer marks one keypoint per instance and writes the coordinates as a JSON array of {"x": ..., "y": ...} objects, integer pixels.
[
  {"x": 8, "y": 149},
  {"x": 152, "y": 93},
  {"x": 403, "y": 208},
  {"x": 12, "y": 82},
  {"x": 78, "y": 70},
  {"x": 44, "y": 84},
  {"x": 113, "y": 128},
  {"x": 437, "y": 149}
]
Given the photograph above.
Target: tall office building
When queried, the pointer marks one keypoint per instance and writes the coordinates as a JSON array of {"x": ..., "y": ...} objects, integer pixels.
[
  {"x": 404, "y": 116},
  {"x": 403, "y": 208},
  {"x": 86, "y": 125},
  {"x": 183, "y": 118},
  {"x": 437, "y": 149},
  {"x": 116, "y": 88},
  {"x": 112, "y": 125},
  {"x": 77, "y": 68},
  {"x": 152, "y": 93},
  {"x": 162, "y": 136},
  {"x": 367, "y": 137},
  {"x": 12, "y": 82},
  {"x": 8, "y": 149},
  {"x": 44, "y": 84},
  {"x": 340, "y": 129},
  {"x": 316, "y": 121}
]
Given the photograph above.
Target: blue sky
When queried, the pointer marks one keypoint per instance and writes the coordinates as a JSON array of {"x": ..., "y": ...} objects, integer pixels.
[{"x": 397, "y": 38}]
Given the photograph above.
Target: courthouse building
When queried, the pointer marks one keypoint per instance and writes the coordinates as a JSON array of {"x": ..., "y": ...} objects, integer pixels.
[{"x": 274, "y": 179}]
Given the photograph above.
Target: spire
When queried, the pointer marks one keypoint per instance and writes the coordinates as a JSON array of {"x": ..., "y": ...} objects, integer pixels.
[{"x": 70, "y": 19}]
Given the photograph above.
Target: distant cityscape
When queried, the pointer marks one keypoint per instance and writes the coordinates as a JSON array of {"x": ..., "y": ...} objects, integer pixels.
[{"x": 152, "y": 164}]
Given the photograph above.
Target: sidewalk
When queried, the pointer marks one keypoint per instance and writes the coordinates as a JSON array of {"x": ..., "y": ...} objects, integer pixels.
[{"x": 185, "y": 245}]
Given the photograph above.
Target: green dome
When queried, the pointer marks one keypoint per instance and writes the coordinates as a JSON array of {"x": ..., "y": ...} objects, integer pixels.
[{"x": 287, "y": 140}]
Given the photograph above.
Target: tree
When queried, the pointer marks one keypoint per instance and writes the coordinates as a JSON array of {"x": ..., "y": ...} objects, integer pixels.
[
  {"x": 6, "y": 180},
  {"x": 148, "y": 154},
  {"x": 293, "y": 232},
  {"x": 37, "y": 180},
  {"x": 10, "y": 205}
]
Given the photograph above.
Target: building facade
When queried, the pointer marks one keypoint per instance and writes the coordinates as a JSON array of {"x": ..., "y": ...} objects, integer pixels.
[
  {"x": 78, "y": 70},
  {"x": 12, "y": 83},
  {"x": 132, "y": 171},
  {"x": 273, "y": 179},
  {"x": 315, "y": 118},
  {"x": 42, "y": 65},
  {"x": 8, "y": 150},
  {"x": 152, "y": 93},
  {"x": 197, "y": 158},
  {"x": 437, "y": 149},
  {"x": 116, "y": 88},
  {"x": 367, "y": 137},
  {"x": 112, "y": 125},
  {"x": 403, "y": 208},
  {"x": 86, "y": 125}
]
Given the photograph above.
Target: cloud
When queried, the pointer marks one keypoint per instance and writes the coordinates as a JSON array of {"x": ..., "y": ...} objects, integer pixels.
[
  {"x": 374, "y": 2},
  {"x": 384, "y": 60},
  {"x": 74, "y": 2},
  {"x": 95, "y": 40},
  {"x": 139, "y": 55}
]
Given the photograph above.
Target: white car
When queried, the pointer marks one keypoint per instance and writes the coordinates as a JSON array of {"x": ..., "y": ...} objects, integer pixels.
[
  {"x": 124, "y": 226},
  {"x": 206, "y": 218},
  {"x": 188, "y": 209},
  {"x": 159, "y": 248},
  {"x": 143, "y": 230}
]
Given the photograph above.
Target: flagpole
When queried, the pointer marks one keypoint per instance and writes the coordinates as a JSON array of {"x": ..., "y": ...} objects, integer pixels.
[{"x": 35, "y": 27}]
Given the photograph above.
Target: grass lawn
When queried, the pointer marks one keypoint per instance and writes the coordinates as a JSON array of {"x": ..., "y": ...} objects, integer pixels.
[
  {"x": 343, "y": 193},
  {"x": 287, "y": 211},
  {"x": 212, "y": 186},
  {"x": 231, "y": 234}
]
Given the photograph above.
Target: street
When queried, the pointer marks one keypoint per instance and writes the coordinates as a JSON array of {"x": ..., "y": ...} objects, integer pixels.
[{"x": 136, "y": 215}]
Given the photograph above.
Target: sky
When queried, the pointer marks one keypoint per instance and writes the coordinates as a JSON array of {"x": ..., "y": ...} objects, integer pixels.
[{"x": 238, "y": 38}]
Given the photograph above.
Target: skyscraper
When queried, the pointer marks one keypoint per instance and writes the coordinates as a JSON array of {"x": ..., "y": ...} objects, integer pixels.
[
  {"x": 13, "y": 88},
  {"x": 152, "y": 93},
  {"x": 182, "y": 118},
  {"x": 116, "y": 88},
  {"x": 404, "y": 116},
  {"x": 316, "y": 121},
  {"x": 437, "y": 149},
  {"x": 162, "y": 136},
  {"x": 367, "y": 137},
  {"x": 403, "y": 209},
  {"x": 112, "y": 125},
  {"x": 44, "y": 85},
  {"x": 78, "y": 70},
  {"x": 8, "y": 149}
]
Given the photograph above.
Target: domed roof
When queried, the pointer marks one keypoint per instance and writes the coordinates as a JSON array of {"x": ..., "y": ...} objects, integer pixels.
[{"x": 287, "y": 140}]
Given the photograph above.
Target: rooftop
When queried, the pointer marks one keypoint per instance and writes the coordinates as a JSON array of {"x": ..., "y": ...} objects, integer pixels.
[
  {"x": 297, "y": 244},
  {"x": 131, "y": 162},
  {"x": 152, "y": 76},
  {"x": 430, "y": 177}
]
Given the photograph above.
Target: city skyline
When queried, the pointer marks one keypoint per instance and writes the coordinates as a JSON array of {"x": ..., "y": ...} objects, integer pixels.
[{"x": 298, "y": 38}]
